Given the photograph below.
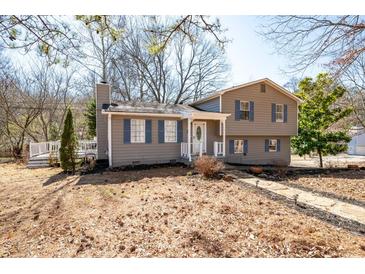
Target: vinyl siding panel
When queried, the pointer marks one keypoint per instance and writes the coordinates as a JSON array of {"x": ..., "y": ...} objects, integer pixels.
[
  {"x": 262, "y": 124},
  {"x": 210, "y": 105},
  {"x": 256, "y": 151},
  {"x": 154, "y": 153}
]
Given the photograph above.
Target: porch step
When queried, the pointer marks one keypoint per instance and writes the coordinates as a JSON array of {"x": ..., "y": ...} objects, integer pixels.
[{"x": 38, "y": 162}]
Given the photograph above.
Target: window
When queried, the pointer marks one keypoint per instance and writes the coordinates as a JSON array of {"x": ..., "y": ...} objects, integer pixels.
[
  {"x": 244, "y": 110},
  {"x": 279, "y": 113},
  {"x": 273, "y": 145},
  {"x": 263, "y": 88},
  {"x": 170, "y": 131},
  {"x": 137, "y": 131},
  {"x": 238, "y": 146}
]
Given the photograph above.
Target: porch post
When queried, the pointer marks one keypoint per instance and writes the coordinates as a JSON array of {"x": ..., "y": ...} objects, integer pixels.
[
  {"x": 189, "y": 139},
  {"x": 110, "y": 139},
  {"x": 224, "y": 137}
]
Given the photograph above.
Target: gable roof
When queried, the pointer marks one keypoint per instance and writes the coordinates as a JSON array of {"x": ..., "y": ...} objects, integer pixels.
[{"x": 264, "y": 80}]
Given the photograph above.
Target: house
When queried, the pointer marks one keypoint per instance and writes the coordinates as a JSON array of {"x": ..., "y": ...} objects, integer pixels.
[
  {"x": 357, "y": 144},
  {"x": 247, "y": 124}
]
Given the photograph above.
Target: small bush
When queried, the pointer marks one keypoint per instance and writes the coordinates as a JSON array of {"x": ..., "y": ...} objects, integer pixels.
[{"x": 208, "y": 166}]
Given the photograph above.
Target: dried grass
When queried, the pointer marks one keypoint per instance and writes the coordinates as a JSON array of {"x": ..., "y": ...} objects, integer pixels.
[{"x": 154, "y": 213}]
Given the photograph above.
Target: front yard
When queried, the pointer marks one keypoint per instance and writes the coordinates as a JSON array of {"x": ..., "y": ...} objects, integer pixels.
[{"x": 159, "y": 212}]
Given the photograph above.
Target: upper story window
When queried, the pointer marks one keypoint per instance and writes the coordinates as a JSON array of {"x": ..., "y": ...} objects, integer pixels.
[
  {"x": 279, "y": 112},
  {"x": 137, "y": 131},
  {"x": 170, "y": 131},
  {"x": 273, "y": 145},
  {"x": 244, "y": 110},
  {"x": 238, "y": 146}
]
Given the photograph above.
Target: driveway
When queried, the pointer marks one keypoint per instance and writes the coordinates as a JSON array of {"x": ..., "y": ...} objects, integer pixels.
[{"x": 341, "y": 160}]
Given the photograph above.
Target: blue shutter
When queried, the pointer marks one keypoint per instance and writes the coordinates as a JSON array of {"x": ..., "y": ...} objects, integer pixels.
[
  {"x": 252, "y": 110},
  {"x": 161, "y": 131},
  {"x": 179, "y": 125},
  {"x": 237, "y": 110},
  {"x": 127, "y": 131},
  {"x": 273, "y": 113},
  {"x": 148, "y": 136},
  {"x": 266, "y": 145},
  {"x": 231, "y": 146},
  {"x": 245, "y": 146},
  {"x": 278, "y": 145},
  {"x": 285, "y": 113}
]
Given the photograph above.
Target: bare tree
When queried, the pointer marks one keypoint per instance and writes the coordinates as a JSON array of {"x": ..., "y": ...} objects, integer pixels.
[
  {"x": 51, "y": 35},
  {"x": 337, "y": 41},
  {"x": 19, "y": 108},
  {"x": 182, "y": 72}
]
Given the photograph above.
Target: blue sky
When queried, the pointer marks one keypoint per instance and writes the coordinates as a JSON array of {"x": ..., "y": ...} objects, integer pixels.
[{"x": 250, "y": 56}]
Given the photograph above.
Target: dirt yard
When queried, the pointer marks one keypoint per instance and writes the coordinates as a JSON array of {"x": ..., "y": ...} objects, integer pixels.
[
  {"x": 348, "y": 185},
  {"x": 154, "y": 213}
]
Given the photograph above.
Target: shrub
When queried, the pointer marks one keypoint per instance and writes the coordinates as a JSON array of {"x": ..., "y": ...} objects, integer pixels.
[
  {"x": 208, "y": 166},
  {"x": 68, "y": 149}
]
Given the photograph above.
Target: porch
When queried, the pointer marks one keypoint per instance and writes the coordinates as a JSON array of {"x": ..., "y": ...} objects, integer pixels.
[
  {"x": 41, "y": 153},
  {"x": 205, "y": 134}
]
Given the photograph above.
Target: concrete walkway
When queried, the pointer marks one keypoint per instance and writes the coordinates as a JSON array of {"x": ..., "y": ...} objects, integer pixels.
[{"x": 333, "y": 206}]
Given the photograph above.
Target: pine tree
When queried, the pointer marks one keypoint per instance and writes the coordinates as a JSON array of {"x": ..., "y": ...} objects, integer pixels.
[
  {"x": 318, "y": 112},
  {"x": 69, "y": 145},
  {"x": 90, "y": 116}
]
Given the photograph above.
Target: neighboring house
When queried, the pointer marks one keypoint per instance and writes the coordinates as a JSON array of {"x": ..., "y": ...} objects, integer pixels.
[
  {"x": 247, "y": 124},
  {"x": 357, "y": 144}
]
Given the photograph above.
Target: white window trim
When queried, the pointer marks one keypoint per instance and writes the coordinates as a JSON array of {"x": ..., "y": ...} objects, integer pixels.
[
  {"x": 276, "y": 145},
  {"x": 144, "y": 132},
  {"x": 282, "y": 113},
  {"x": 234, "y": 146},
  {"x": 170, "y": 141}
]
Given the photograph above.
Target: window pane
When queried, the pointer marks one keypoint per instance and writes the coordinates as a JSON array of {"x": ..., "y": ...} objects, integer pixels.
[
  {"x": 272, "y": 144},
  {"x": 170, "y": 131},
  {"x": 137, "y": 131},
  {"x": 279, "y": 113},
  {"x": 238, "y": 146},
  {"x": 245, "y": 110}
]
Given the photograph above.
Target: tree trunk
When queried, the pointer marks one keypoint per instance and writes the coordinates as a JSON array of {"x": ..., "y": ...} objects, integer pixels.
[{"x": 320, "y": 158}]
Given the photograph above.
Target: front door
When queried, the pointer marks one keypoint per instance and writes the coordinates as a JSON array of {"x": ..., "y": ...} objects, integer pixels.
[{"x": 199, "y": 136}]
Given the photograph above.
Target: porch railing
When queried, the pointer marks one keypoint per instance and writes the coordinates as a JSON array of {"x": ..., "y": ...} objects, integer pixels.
[
  {"x": 196, "y": 149},
  {"x": 53, "y": 147},
  {"x": 218, "y": 149},
  {"x": 36, "y": 149}
]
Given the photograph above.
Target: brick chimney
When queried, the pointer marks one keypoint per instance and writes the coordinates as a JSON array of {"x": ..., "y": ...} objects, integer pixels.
[{"x": 103, "y": 98}]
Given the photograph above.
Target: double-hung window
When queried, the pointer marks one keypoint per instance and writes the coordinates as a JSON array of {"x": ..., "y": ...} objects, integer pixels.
[
  {"x": 279, "y": 112},
  {"x": 170, "y": 131},
  {"x": 273, "y": 145},
  {"x": 244, "y": 110},
  {"x": 238, "y": 146},
  {"x": 137, "y": 131}
]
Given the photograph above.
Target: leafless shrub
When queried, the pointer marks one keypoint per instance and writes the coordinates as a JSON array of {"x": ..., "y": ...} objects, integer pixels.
[{"x": 208, "y": 166}]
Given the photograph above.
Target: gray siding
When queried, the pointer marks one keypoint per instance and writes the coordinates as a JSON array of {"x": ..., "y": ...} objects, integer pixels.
[
  {"x": 256, "y": 151},
  {"x": 212, "y": 105},
  {"x": 102, "y": 97},
  {"x": 262, "y": 124},
  {"x": 154, "y": 153}
]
